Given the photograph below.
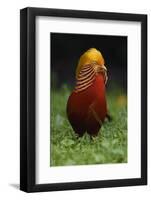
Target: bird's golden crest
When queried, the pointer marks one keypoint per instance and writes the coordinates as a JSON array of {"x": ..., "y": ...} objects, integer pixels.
[{"x": 90, "y": 56}]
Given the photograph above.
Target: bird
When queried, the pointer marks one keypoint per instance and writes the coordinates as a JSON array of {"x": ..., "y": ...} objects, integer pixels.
[{"x": 87, "y": 103}]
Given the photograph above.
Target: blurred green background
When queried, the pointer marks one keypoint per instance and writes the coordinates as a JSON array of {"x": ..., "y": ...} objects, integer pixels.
[{"x": 111, "y": 144}]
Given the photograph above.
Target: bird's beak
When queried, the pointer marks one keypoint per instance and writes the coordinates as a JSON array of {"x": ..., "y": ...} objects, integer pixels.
[
  {"x": 103, "y": 67},
  {"x": 105, "y": 74},
  {"x": 103, "y": 70}
]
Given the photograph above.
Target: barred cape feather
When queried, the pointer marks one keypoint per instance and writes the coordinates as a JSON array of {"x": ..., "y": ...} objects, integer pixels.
[{"x": 85, "y": 78}]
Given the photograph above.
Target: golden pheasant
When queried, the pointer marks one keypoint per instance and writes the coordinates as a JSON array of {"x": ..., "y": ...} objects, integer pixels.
[{"x": 87, "y": 106}]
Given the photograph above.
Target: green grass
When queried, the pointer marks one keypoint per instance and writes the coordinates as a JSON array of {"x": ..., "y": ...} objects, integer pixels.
[{"x": 110, "y": 146}]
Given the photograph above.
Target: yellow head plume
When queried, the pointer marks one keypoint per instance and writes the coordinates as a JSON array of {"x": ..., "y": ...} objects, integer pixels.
[{"x": 90, "y": 56}]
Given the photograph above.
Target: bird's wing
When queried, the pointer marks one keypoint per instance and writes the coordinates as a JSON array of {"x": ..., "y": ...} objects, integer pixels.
[
  {"x": 92, "y": 112},
  {"x": 92, "y": 121}
]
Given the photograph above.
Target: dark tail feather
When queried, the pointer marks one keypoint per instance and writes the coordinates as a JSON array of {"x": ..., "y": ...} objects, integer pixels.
[{"x": 109, "y": 117}]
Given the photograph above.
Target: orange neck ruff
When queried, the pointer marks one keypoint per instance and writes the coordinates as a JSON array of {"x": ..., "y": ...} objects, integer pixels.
[{"x": 87, "y": 76}]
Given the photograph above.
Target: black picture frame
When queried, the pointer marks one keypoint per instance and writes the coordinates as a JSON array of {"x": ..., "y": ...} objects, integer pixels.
[{"x": 28, "y": 98}]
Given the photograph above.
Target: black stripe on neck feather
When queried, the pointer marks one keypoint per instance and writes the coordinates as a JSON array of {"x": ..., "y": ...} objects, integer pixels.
[{"x": 85, "y": 78}]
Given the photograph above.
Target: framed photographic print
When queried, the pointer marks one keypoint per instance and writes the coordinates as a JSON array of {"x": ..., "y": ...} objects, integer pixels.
[{"x": 83, "y": 99}]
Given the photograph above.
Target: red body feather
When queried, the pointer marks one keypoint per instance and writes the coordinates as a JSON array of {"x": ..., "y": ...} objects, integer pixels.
[{"x": 87, "y": 109}]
